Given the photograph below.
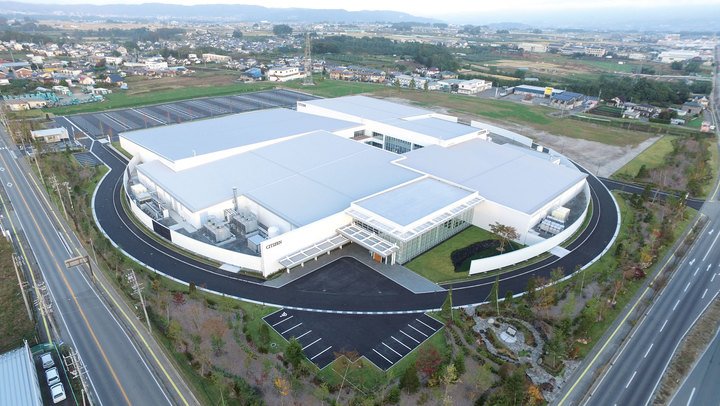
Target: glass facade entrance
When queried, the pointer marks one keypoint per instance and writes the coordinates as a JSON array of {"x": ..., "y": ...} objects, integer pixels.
[{"x": 423, "y": 242}]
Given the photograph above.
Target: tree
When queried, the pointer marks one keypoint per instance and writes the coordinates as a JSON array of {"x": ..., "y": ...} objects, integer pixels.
[
  {"x": 426, "y": 85},
  {"x": 514, "y": 388},
  {"x": 446, "y": 309},
  {"x": 448, "y": 377},
  {"x": 505, "y": 234},
  {"x": 282, "y": 386},
  {"x": 237, "y": 34},
  {"x": 412, "y": 84},
  {"x": 428, "y": 360},
  {"x": 555, "y": 348},
  {"x": 294, "y": 353},
  {"x": 282, "y": 30},
  {"x": 531, "y": 290},
  {"x": 217, "y": 329},
  {"x": 174, "y": 329},
  {"x": 494, "y": 295},
  {"x": 178, "y": 299},
  {"x": 409, "y": 381}
]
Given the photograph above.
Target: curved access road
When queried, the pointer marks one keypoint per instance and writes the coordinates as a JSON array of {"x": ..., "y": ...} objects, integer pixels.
[{"x": 124, "y": 234}]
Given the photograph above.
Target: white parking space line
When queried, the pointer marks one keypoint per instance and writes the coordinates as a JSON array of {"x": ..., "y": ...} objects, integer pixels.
[
  {"x": 149, "y": 116},
  {"x": 316, "y": 355},
  {"x": 303, "y": 335},
  {"x": 631, "y": 378},
  {"x": 425, "y": 335},
  {"x": 401, "y": 343},
  {"x": 704, "y": 293},
  {"x": 282, "y": 321},
  {"x": 291, "y": 328},
  {"x": 390, "y": 348},
  {"x": 648, "y": 350},
  {"x": 425, "y": 325},
  {"x": 312, "y": 343},
  {"x": 410, "y": 337},
  {"x": 663, "y": 326},
  {"x": 390, "y": 362},
  {"x": 676, "y": 303}
]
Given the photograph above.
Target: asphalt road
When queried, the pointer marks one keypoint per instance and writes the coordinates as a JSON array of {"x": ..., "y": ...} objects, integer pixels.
[
  {"x": 637, "y": 369},
  {"x": 117, "y": 372},
  {"x": 701, "y": 385},
  {"x": 126, "y": 235}
]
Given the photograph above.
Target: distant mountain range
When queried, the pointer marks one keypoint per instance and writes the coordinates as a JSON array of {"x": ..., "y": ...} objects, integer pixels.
[{"x": 226, "y": 12}]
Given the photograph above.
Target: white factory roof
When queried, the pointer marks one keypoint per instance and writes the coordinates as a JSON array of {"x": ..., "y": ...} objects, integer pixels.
[
  {"x": 18, "y": 379},
  {"x": 414, "y": 201},
  {"x": 369, "y": 108},
  {"x": 500, "y": 174},
  {"x": 179, "y": 141},
  {"x": 434, "y": 127},
  {"x": 302, "y": 179}
]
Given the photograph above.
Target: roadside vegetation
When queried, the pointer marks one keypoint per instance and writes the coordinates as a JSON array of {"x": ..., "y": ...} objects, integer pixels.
[{"x": 15, "y": 326}]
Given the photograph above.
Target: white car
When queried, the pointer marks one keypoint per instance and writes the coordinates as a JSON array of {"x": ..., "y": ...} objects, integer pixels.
[
  {"x": 47, "y": 360},
  {"x": 58, "y": 393},
  {"x": 52, "y": 376}
]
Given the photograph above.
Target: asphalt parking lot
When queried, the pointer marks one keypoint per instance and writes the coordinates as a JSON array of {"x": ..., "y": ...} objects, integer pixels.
[
  {"x": 110, "y": 123},
  {"x": 381, "y": 339}
]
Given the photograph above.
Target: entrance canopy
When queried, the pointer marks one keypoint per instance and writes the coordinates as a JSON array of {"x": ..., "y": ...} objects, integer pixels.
[{"x": 368, "y": 240}]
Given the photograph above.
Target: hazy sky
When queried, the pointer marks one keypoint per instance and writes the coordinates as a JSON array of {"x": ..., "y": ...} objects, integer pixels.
[{"x": 432, "y": 9}]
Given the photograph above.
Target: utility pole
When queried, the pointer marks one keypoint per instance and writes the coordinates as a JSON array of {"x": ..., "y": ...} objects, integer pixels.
[
  {"x": 54, "y": 183},
  {"x": 137, "y": 288},
  {"x": 77, "y": 370},
  {"x": 17, "y": 264},
  {"x": 67, "y": 188}
]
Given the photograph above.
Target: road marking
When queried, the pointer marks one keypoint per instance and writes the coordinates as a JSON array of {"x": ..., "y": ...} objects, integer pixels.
[
  {"x": 711, "y": 231},
  {"x": 425, "y": 325},
  {"x": 678, "y": 302},
  {"x": 704, "y": 293},
  {"x": 316, "y": 355},
  {"x": 713, "y": 277},
  {"x": 648, "y": 350},
  {"x": 693, "y": 261},
  {"x": 293, "y": 327},
  {"x": 303, "y": 335},
  {"x": 401, "y": 343},
  {"x": 686, "y": 287},
  {"x": 696, "y": 271},
  {"x": 390, "y": 362},
  {"x": 390, "y": 348},
  {"x": 417, "y": 330},
  {"x": 711, "y": 246},
  {"x": 708, "y": 268},
  {"x": 692, "y": 393},
  {"x": 410, "y": 337},
  {"x": 312, "y": 343},
  {"x": 283, "y": 320},
  {"x": 631, "y": 378},
  {"x": 663, "y": 326}
]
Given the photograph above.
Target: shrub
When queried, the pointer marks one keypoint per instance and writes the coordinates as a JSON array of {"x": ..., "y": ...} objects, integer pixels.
[
  {"x": 459, "y": 256},
  {"x": 409, "y": 381}
]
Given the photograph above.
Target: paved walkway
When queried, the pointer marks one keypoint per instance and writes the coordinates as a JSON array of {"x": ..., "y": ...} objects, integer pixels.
[{"x": 397, "y": 273}]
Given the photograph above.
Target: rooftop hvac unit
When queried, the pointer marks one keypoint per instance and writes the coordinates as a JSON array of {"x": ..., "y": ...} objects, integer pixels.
[
  {"x": 217, "y": 230},
  {"x": 242, "y": 223}
]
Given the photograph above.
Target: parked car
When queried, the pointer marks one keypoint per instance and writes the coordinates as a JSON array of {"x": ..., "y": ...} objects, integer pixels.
[
  {"x": 58, "y": 393},
  {"x": 52, "y": 376},
  {"x": 47, "y": 360}
]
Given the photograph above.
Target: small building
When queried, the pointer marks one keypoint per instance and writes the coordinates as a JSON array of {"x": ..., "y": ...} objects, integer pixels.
[
  {"x": 532, "y": 47},
  {"x": 50, "y": 135},
  {"x": 19, "y": 384},
  {"x": 253, "y": 73},
  {"x": 284, "y": 73},
  {"x": 630, "y": 113},
  {"x": 536, "y": 91},
  {"x": 23, "y": 73},
  {"x": 216, "y": 58},
  {"x": 566, "y": 100},
  {"x": 473, "y": 86},
  {"x": 677, "y": 121},
  {"x": 692, "y": 108}
]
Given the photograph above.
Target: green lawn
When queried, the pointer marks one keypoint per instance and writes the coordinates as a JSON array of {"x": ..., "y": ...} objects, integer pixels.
[
  {"x": 334, "y": 88},
  {"x": 436, "y": 265},
  {"x": 121, "y": 99},
  {"x": 652, "y": 157},
  {"x": 695, "y": 123}
]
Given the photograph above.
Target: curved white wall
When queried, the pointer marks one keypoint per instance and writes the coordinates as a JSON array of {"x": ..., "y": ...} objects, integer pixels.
[{"x": 515, "y": 257}]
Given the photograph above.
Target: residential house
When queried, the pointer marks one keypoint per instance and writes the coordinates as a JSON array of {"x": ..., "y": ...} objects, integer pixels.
[
  {"x": 23, "y": 73},
  {"x": 86, "y": 80},
  {"x": 566, "y": 100},
  {"x": 473, "y": 86},
  {"x": 692, "y": 108},
  {"x": 114, "y": 79},
  {"x": 284, "y": 73},
  {"x": 50, "y": 135}
]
